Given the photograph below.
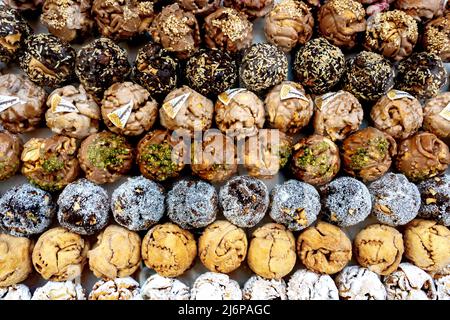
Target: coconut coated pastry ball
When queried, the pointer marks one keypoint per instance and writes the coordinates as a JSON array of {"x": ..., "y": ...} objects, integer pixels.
[
  {"x": 395, "y": 200},
  {"x": 435, "y": 193},
  {"x": 442, "y": 287},
  {"x": 10, "y": 150},
  {"x": 192, "y": 204},
  {"x": 436, "y": 37},
  {"x": 138, "y": 203},
  {"x": 13, "y": 32},
  {"x": 258, "y": 288},
  {"x": 199, "y": 7},
  {"x": 308, "y": 285},
  {"x": 421, "y": 10},
  {"x": 215, "y": 286},
  {"x": 26, "y": 210},
  {"x": 15, "y": 292},
  {"x": 295, "y": 204},
  {"x": 52, "y": 290},
  {"x": 288, "y": 24},
  {"x": 222, "y": 247},
  {"x": 435, "y": 120},
  {"x": 83, "y": 207},
  {"x": 168, "y": 249},
  {"x": 345, "y": 201},
  {"x": 15, "y": 259},
  {"x": 115, "y": 289},
  {"x": 253, "y": 9},
  {"x": 356, "y": 283},
  {"x": 271, "y": 253},
  {"x": 157, "y": 287},
  {"x": 379, "y": 248},
  {"x": 319, "y": 66}
]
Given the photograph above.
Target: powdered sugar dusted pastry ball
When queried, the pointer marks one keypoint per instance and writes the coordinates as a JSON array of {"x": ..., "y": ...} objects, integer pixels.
[
  {"x": 356, "y": 283},
  {"x": 409, "y": 283},
  {"x": 215, "y": 286},
  {"x": 138, "y": 203},
  {"x": 15, "y": 292},
  {"x": 115, "y": 289},
  {"x": 67, "y": 290},
  {"x": 10, "y": 151},
  {"x": 308, "y": 285},
  {"x": 257, "y": 288},
  {"x": 421, "y": 10},
  {"x": 295, "y": 204},
  {"x": 157, "y": 287},
  {"x": 199, "y": 7},
  {"x": 244, "y": 201},
  {"x": 252, "y": 8},
  {"x": 434, "y": 120},
  {"x": 435, "y": 193},
  {"x": 442, "y": 288},
  {"x": 15, "y": 259}
]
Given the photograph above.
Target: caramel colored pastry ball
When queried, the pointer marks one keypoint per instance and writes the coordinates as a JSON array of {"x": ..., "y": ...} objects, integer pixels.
[
  {"x": 288, "y": 24},
  {"x": 184, "y": 108},
  {"x": 169, "y": 250},
  {"x": 105, "y": 157},
  {"x": 199, "y": 7},
  {"x": 288, "y": 107},
  {"x": 69, "y": 20},
  {"x": 252, "y": 8},
  {"x": 367, "y": 154},
  {"x": 271, "y": 253},
  {"x": 222, "y": 247},
  {"x": 379, "y": 248},
  {"x": 116, "y": 254},
  {"x": 24, "y": 5},
  {"x": 160, "y": 156},
  {"x": 324, "y": 248},
  {"x": 15, "y": 259},
  {"x": 392, "y": 34},
  {"x": 340, "y": 22},
  {"x": 434, "y": 119},
  {"x": 436, "y": 37},
  {"x": 72, "y": 112},
  {"x": 10, "y": 150},
  {"x": 337, "y": 115},
  {"x": 435, "y": 194},
  {"x": 426, "y": 244},
  {"x": 319, "y": 66},
  {"x": 239, "y": 113},
  {"x": 115, "y": 289},
  {"x": 13, "y": 32},
  {"x": 128, "y": 109},
  {"x": 177, "y": 31},
  {"x": 315, "y": 160},
  {"x": 422, "y": 156},
  {"x": 421, "y": 10},
  {"x": 26, "y": 103},
  {"x": 356, "y": 283},
  {"x": 60, "y": 255},
  {"x": 50, "y": 163},
  {"x": 68, "y": 290},
  {"x": 228, "y": 29}
]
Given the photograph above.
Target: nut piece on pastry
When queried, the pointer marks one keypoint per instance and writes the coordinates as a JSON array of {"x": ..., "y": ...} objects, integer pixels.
[
  {"x": 13, "y": 32},
  {"x": 435, "y": 119},
  {"x": 115, "y": 289},
  {"x": 11, "y": 147},
  {"x": 60, "y": 255},
  {"x": 288, "y": 24},
  {"x": 199, "y": 7},
  {"x": 15, "y": 259},
  {"x": 252, "y": 8},
  {"x": 421, "y": 10},
  {"x": 436, "y": 37},
  {"x": 116, "y": 254},
  {"x": 357, "y": 283},
  {"x": 435, "y": 194}
]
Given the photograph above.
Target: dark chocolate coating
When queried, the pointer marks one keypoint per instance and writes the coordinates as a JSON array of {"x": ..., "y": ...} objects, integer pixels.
[
  {"x": 435, "y": 194},
  {"x": 13, "y": 32}
]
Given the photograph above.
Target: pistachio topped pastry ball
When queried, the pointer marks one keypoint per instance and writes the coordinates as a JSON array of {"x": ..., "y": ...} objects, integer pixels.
[
  {"x": 10, "y": 150},
  {"x": 13, "y": 32},
  {"x": 436, "y": 37}
]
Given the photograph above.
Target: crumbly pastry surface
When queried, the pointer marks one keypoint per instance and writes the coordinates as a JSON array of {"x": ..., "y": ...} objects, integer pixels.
[
  {"x": 356, "y": 283},
  {"x": 308, "y": 285},
  {"x": 11, "y": 147},
  {"x": 258, "y": 288},
  {"x": 433, "y": 121},
  {"x": 15, "y": 260},
  {"x": 435, "y": 194},
  {"x": 67, "y": 290},
  {"x": 115, "y": 289},
  {"x": 215, "y": 286},
  {"x": 442, "y": 288},
  {"x": 157, "y": 287},
  {"x": 15, "y": 292}
]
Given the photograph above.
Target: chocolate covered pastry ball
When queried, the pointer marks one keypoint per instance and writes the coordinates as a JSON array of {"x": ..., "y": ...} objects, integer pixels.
[
  {"x": 69, "y": 20},
  {"x": 356, "y": 283},
  {"x": 215, "y": 286},
  {"x": 252, "y": 8},
  {"x": 288, "y": 24},
  {"x": 340, "y": 22},
  {"x": 177, "y": 31},
  {"x": 319, "y": 66},
  {"x": 128, "y": 109},
  {"x": 15, "y": 259},
  {"x": 228, "y": 29},
  {"x": 211, "y": 72},
  {"x": 423, "y": 75},
  {"x": 115, "y": 289},
  {"x": 421, "y": 10},
  {"x": 26, "y": 210},
  {"x": 398, "y": 114},
  {"x": 138, "y": 203},
  {"x": 308, "y": 285},
  {"x": 294, "y": 204},
  {"x": 337, "y": 114},
  {"x": 199, "y": 7},
  {"x": 369, "y": 76},
  {"x": 435, "y": 119},
  {"x": 10, "y": 151},
  {"x": 13, "y": 32},
  {"x": 105, "y": 157},
  {"x": 50, "y": 163},
  {"x": 157, "y": 287},
  {"x": 192, "y": 204},
  {"x": 315, "y": 160},
  {"x": 392, "y": 34},
  {"x": 52, "y": 290},
  {"x": 422, "y": 156},
  {"x": 244, "y": 201},
  {"x": 100, "y": 64},
  {"x": 72, "y": 112},
  {"x": 83, "y": 207},
  {"x": 24, "y": 5},
  {"x": 23, "y": 103},
  {"x": 395, "y": 200},
  {"x": 258, "y": 288},
  {"x": 345, "y": 201},
  {"x": 367, "y": 154},
  {"x": 436, "y": 37},
  {"x": 435, "y": 193}
]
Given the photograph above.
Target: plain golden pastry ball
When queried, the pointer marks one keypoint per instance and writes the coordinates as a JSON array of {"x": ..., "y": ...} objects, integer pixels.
[
  {"x": 60, "y": 255},
  {"x": 222, "y": 247},
  {"x": 169, "y": 250},
  {"x": 116, "y": 254},
  {"x": 324, "y": 248},
  {"x": 271, "y": 253},
  {"x": 379, "y": 248},
  {"x": 15, "y": 259},
  {"x": 427, "y": 244}
]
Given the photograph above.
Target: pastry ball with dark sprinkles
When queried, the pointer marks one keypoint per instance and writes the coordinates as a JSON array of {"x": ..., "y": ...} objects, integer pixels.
[
  {"x": 436, "y": 37},
  {"x": 263, "y": 66},
  {"x": 47, "y": 60},
  {"x": 192, "y": 204},
  {"x": 13, "y": 32},
  {"x": 319, "y": 66},
  {"x": 435, "y": 193}
]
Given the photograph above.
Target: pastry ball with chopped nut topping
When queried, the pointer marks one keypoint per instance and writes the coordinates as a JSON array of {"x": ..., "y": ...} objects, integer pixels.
[
  {"x": 435, "y": 194},
  {"x": 13, "y": 32},
  {"x": 436, "y": 37},
  {"x": 11, "y": 147}
]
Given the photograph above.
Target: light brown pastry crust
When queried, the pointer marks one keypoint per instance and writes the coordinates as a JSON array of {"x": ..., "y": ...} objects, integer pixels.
[
  {"x": 433, "y": 121},
  {"x": 199, "y": 7},
  {"x": 15, "y": 259},
  {"x": 421, "y": 10},
  {"x": 11, "y": 147},
  {"x": 252, "y": 8}
]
